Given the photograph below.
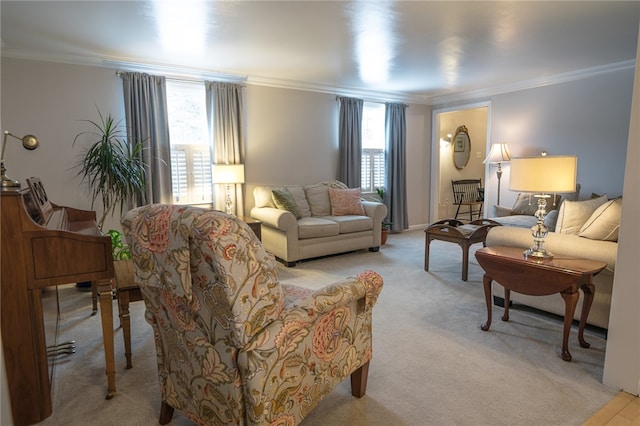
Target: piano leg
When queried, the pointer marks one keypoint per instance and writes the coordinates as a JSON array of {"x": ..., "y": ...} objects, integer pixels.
[{"x": 106, "y": 314}]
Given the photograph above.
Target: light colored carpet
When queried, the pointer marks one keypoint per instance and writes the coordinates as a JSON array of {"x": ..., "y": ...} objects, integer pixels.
[{"x": 432, "y": 365}]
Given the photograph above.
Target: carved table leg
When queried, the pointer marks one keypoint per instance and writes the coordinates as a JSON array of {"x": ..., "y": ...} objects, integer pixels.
[
  {"x": 486, "y": 283},
  {"x": 106, "y": 314},
  {"x": 125, "y": 323},
  {"x": 588, "y": 291},
  {"x": 570, "y": 301},
  {"x": 507, "y": 303}
]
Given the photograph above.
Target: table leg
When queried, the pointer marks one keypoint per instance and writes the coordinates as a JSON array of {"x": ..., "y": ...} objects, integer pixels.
[
  {"x": 588, "y": 291},
  {"x": 427, "y": 242},
  {"x": 94, "y": 297},
  {"x": 486, "y": 283},
  {"x": 465, "y": 260},
  {"x": 125, "y": 323},
  {"x": 570, "y": 302},
  {"x": 507, "y": 304},
  {"x": 106, "y": 314}
]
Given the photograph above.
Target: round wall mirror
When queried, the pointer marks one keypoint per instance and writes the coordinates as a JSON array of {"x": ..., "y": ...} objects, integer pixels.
[{"x": 461, "y": 147}]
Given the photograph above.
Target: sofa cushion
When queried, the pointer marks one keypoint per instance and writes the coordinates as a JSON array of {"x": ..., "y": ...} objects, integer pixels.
[
  {"x": 283, "y": 199},
  {"x": 604, "y": 222},
  {"x": 346, "y": 202},
  {"x": 263, "y": 197},
  {"x": 301, "y": 200},
  {"x": 528, "y": 204},
  {"x": 352, "y": 223},
  {"x": 318, "y": 198},
  {"x": 574, "y": 214},
  {"x": 314, "y": 227}
]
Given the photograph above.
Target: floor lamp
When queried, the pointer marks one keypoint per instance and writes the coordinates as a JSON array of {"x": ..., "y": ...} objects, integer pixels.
[
  {"x": 499, "y": 154},
  {"x": 228, "y": 174}
]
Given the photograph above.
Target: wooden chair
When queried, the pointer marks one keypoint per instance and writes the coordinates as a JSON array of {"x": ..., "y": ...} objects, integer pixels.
[{"x": 470, "y": 193}]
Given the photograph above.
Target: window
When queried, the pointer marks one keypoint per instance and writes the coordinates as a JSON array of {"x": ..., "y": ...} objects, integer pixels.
[
  {"x": 373, "y": 147},
  {"x": 190, "y": 150}
]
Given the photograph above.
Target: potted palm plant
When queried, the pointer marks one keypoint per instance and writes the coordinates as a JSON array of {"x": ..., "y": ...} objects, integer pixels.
[
  {"x": 115, "y": 173},
  {"x": 111, "y": 166}
]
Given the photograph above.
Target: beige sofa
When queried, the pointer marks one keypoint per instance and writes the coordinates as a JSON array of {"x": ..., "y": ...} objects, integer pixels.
[
  {"x": 586, "y": 229},
  {"x": 303, "y": 222}
]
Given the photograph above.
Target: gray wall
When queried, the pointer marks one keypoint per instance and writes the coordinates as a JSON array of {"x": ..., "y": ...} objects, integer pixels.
[
  {"x": 588, "y": 118},
  {"x": 291, "y": 134}
]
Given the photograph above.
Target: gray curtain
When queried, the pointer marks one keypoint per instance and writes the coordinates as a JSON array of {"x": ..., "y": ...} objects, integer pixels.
[
  {"x": 226, "y": 126},
  {"x": 350, "y": 142},
  {"x": 145, "y": 104},
  {"x": 396, "y": 140}
]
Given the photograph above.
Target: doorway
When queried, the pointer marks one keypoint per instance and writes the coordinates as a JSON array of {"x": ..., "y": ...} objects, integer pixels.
[{"x": 476, "y": 118}]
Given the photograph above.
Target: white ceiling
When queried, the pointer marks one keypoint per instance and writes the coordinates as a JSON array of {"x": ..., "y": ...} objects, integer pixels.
[{"x": 415, "y": 50}]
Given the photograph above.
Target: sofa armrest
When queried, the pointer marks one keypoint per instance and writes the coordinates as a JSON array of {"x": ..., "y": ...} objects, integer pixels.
[
  {"x": 501, "y": 211},
  {"x": 375, "y": 210},
  {"x": 276, "y": 218}
]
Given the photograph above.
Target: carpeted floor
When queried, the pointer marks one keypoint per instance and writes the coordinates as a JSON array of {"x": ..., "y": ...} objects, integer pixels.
[{"x": 432, "y": 365}]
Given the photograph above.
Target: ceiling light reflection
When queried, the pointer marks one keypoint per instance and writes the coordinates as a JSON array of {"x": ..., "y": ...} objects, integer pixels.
[
  {"x": 182, "y": 25},
  {"x": 373, "y": 31}
]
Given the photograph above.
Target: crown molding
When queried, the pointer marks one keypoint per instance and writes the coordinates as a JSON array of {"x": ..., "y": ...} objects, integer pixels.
[
  {"x": 532, "y": 84},
  {"x": 368, "y": 95}
]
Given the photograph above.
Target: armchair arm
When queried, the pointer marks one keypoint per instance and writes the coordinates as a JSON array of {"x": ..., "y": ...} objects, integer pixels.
[
  {"x": 276, "y": 218},
  {"x": 367, "y": 284}
]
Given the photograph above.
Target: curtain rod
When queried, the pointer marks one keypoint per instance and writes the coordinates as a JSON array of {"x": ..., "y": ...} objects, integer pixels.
[
  {"x": 377, "y": 101},
  {"x": 185, "y": 79}
]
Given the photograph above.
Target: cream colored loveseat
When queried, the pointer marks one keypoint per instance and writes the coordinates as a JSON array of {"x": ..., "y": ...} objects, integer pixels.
[
  {"x": 322, "y": 227},
  {"x": 592, "y": 238}
]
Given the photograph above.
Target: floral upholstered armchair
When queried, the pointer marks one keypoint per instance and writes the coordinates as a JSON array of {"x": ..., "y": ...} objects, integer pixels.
[{"x": 234, "y": 345}]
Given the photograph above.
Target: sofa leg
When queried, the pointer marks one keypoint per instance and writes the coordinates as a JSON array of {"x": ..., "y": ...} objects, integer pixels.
[
  {"x": 289, "y": 264},
  {"x": 166, "y": 413},
  {"x": 359, "y": 380},
  {"x": 374, "y": 249}
]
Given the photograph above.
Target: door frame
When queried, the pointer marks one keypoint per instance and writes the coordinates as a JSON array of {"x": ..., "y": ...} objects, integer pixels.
[{"x": 434, "y": 197}]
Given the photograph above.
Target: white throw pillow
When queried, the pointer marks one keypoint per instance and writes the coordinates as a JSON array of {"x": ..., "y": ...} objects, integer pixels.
[
  {"x": 574, "y": 214},
  {"x": 604, "y": 222}
]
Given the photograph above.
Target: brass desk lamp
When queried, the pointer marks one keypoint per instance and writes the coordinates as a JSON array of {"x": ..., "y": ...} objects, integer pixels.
[{"x": 29, "y": 142}]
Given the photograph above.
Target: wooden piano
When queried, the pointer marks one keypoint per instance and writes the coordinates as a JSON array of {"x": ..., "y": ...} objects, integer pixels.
[{"x": 44, "y": 245}]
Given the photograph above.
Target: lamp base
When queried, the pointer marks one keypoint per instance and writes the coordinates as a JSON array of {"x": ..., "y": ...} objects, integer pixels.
[
  {"x": 539, "y": 232},
  {"x": 6, "y": 181}
]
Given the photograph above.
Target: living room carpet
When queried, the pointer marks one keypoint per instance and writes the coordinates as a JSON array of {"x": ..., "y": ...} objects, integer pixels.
[{"x": 432, "y": 365}]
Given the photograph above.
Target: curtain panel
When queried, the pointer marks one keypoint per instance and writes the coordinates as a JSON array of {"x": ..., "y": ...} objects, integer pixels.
[
  {"x": 225, "y": 117},
  {"x": 145, "y": 104},
  {"x": 350, "y": 141},
  {"x": 396, "y": 140}
]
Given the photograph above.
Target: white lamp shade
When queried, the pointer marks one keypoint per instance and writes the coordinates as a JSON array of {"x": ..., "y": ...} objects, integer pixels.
[
  {"x": 544, "y": 175},
  {"x": 499, "y": 154},
  {"x": 228, "y": 173}
]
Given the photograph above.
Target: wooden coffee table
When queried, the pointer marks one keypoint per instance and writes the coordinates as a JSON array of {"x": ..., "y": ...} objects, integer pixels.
[
  {"x": 455, "y": 231},
  {"x": 562, "y": 274}
]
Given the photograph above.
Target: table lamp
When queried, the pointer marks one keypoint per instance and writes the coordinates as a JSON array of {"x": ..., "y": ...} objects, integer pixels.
[
  {"x": 29, "y": 142},
  {"x": 542, "y": 176},
  {"x": 228, "y": 174},
  {"x": 499, "y": 154}
]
